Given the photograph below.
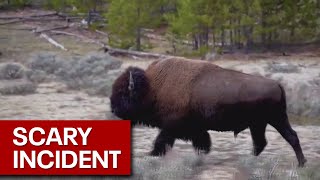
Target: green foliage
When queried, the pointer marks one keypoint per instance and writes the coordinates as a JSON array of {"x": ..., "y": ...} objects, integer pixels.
[
  {"x": 205, "y": 24},
  {"x": 201, "y": 52},
  {"x": 127, "y": 18},
  {"x": 246, "y": 21},
  {"x": 15, "y": 3},
  {"x": 79, "y": 6},
  {"x": 122, "y": 44},
  {"x": 58, "y": 5}
]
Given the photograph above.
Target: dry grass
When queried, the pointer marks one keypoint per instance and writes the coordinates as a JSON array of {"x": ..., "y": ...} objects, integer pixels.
[{"x": 278, "y": 168}]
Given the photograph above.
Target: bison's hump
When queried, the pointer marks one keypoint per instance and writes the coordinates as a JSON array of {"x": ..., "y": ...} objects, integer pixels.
[{"x": 172, "y": 82}]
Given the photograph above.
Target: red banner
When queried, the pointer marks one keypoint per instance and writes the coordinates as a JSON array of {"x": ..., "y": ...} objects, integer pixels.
[{"x": 65, "y": 147}]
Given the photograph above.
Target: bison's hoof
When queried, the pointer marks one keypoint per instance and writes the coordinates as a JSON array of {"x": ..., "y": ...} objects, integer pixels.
[
  {"x": 156, "y": 153},
  {"x": 257, "y": 150},
  {"x": 302, "y": 162},
  {"x": 203, "y": 151}
]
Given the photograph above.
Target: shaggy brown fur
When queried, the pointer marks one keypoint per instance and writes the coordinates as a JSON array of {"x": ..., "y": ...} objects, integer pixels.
[
  {"x": 171, "y": 82},
  {"x": 185, "y": 99}
]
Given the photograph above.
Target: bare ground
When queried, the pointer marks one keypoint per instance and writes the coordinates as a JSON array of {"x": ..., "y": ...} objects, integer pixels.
[{"x": 229, "y": 159}]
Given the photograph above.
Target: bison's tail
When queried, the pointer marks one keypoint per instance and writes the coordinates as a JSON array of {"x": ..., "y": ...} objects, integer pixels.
[
  {"x": 283, "y": 106},
  {"x": 283, "y": 100},
  {"x": 280, "y": 117}
]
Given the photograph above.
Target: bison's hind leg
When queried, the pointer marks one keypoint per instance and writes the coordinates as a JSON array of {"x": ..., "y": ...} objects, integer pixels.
[
  {"x": 163, "y": 142},
  {"x": 258, "y": 138},
  {"x": 202, "y": 142},
  {"x": 285, "y": 129}
]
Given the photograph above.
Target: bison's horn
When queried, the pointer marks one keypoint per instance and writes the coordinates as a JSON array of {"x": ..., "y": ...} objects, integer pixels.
[{"x": 131, "y": 83}]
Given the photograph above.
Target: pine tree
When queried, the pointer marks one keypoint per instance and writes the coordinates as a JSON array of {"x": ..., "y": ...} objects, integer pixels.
[
  {"x": 126, "y": 19},
  {"x": 191, "y": 21}
]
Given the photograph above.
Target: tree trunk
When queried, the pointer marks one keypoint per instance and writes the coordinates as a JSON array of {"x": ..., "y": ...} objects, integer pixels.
[
  {"x": 95, "y": 6},
  {"x": 195, "y": 42},
  {"x": 138, "y": 33},
  {"x": 248, "y": 30},
  {"x": 269, "y": 39},
  {"x": 264, "y": 26},
  {"x": 236, "y": 35},
  {"x": 231, "y": 36},
  {"x": 203, "y": 37},
  {"x": 222, "y": 37},
  {"x": 89, "y": 17},
  {"x": 292, "y": 34},
  {"x": 138, "y": 39},
  {"x": 276, "y": 36},
  {"x": 239, "y": 34},
  {"x": 206, "y": 36},
  {"x": 213, "y": 39}
]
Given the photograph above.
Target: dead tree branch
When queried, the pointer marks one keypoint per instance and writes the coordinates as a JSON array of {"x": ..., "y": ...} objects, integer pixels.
[
  {"x": 101, "y": 32},
  {"x": 145, "y": 55},
  {"x": 50, "y": 40}
]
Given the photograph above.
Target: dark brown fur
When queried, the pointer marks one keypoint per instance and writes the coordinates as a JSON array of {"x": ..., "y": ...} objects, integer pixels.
[{"x": 185, "y": 99}]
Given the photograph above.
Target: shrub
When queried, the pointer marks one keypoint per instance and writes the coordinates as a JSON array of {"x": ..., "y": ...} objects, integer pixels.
[
  {"x": 11, "y": 71},
  {"x": 17, "y": 87},
  {"x": 282, "y": 68},
  {"x": 90, "y": 73}
]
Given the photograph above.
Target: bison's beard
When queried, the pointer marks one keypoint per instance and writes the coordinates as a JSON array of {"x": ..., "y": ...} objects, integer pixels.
[{"x": 138, "y": 112}]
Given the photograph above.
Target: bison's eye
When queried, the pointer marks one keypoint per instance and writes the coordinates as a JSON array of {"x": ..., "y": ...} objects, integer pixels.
[{"x": 113, "y": 110}]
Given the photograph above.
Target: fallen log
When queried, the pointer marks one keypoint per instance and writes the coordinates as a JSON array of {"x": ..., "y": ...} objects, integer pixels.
[
  {"x": 50, "y": 29},
  {"x": 131, "y": 53},
  {"x": 32, "y": 16},
  {"x": 84, "y": 38},
  {"x": 67, "y": 33},
  {"x": 50, "y": 40},
  {"x": 69, "y": 17},
  {"x": 104, "y": 34},
  {"x": 12, "y": 22},
  {"x": 18, "y": 29},
  {"x": 29, "y": 19},
  {"x": 101, "y": 32}
]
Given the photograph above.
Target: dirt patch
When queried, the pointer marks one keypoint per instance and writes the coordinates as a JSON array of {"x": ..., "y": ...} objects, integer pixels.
[{"x": 53, "y": 101}]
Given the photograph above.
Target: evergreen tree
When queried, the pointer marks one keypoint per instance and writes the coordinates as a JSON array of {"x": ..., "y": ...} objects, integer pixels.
[
  {"x": 126, "y": 19},
  {"x": 234, "y": 23}
]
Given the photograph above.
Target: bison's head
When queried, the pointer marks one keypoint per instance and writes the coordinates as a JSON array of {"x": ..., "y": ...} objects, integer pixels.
[{"x": 128, "y": 95}]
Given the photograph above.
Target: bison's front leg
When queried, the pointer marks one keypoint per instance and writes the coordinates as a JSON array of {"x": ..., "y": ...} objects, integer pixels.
[
  {"x": 258, "y": 138},
  {"x": 163, "y": 142},
  {"x": 202, "y": 142}
]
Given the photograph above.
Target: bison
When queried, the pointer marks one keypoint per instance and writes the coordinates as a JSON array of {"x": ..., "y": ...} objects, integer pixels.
[{"x": 185, "y": 99}]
